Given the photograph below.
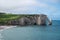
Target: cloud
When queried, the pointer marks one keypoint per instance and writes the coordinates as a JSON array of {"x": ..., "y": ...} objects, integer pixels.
[
  {"x": 11, "y": 5},
  {"x": 14, "y": 3},
  {"x": 48, "y": 7},
  {"x": 27, "y": 6},
  {"x": 20, "y": 5}
]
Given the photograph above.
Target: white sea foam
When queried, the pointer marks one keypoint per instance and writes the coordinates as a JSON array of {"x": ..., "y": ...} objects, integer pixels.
[{"x": 5, "y": 27}]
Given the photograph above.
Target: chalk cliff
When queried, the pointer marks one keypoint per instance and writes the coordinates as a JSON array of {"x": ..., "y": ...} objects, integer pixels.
[{"x": 31, "y": 20}]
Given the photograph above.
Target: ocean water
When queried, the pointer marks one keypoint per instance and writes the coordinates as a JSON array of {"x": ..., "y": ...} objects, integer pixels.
[{"x": 32, "y": 32}]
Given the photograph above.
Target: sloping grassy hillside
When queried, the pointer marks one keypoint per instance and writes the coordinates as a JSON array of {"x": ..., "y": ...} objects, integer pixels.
[{"x": 7, "y": 17}]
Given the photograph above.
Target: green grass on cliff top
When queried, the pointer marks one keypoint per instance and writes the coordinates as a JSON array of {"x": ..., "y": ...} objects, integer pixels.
[{"x": 7, "y": 17}]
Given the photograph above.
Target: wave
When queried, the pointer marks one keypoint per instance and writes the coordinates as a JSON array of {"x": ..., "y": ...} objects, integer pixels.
[{"x": 5, "y": 27}]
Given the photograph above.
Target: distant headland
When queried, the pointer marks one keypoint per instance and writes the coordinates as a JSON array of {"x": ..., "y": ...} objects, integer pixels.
[{"x": 22, "y": 20}]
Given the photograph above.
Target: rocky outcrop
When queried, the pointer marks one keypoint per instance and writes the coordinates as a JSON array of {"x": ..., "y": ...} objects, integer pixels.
[{"x": 31, "y": 20}]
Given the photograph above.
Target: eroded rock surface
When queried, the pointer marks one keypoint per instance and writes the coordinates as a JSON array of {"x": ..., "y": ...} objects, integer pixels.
[{"x": 31, "y": 20}]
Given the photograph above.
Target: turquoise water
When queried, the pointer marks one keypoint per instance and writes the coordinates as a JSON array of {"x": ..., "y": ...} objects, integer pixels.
[{"x": 33, "y": 32}]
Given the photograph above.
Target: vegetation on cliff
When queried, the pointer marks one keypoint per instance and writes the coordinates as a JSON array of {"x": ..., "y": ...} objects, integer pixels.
[
  {"x": 16, "y": 19},
  {"x": 7, "y": 17}
]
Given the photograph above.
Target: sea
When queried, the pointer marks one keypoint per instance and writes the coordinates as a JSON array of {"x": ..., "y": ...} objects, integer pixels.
[{"x": 32, "y": 32}]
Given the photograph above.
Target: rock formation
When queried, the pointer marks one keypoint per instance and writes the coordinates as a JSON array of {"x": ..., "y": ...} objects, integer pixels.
[{"x": 31, "y": 20}]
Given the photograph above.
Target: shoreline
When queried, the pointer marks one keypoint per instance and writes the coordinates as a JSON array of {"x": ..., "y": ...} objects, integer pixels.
[{"x": 6, "y": 27}]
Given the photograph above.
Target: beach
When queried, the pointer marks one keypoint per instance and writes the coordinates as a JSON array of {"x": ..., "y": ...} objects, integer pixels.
[{"x": 6, "y": 27}]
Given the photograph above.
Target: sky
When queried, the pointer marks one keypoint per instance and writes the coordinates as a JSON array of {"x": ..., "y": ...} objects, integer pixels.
[{"x": 48, "y": 7}]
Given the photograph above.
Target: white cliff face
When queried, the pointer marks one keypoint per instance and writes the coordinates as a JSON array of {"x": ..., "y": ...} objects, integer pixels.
[
  {"x": 21, "y": 21},
  {"x": 38, "y": 21},
  {"x": 41, "y": 19},
  {"x": 50, "y": 22},
  {"x": 32, "y": 20}
]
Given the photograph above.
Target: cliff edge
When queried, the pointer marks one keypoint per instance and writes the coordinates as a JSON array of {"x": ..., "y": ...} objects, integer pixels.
[{"x": 40, "y": 19}]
